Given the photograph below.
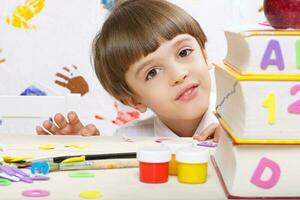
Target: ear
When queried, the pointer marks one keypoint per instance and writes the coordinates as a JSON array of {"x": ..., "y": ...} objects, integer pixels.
[{"x": 132, "y": 102}]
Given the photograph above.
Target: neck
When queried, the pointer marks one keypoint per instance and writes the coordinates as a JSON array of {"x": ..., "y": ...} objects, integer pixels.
[{"x": 182, "y": 128}]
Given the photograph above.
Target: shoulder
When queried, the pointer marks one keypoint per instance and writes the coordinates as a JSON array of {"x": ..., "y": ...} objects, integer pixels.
[{"x": 137, "y": 128}]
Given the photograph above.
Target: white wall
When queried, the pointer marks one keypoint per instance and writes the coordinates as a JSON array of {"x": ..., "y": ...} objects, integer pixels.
[{"x": 63, "y": 35}]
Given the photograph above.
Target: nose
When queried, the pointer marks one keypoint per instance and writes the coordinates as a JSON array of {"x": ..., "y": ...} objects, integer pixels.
[{"x": 178, "y": 74}]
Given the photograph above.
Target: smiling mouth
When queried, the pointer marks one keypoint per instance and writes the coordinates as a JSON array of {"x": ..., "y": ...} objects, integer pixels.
[{"x": 188, "y": 94}]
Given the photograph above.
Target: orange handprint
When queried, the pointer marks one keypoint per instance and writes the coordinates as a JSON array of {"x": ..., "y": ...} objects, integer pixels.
[
  {"x": 76, "y": 84},
  {"x": 24, "y": 12}
]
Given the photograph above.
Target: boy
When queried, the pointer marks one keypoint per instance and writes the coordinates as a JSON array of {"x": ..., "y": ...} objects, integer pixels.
[{"x": 151, "y": 54}]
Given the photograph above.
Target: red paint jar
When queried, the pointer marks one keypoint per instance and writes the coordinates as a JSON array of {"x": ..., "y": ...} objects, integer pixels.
[{"x": 154, "y": 164}]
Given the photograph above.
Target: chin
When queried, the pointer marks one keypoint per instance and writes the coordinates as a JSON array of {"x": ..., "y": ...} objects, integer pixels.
[{"x": 193, "y": 113}]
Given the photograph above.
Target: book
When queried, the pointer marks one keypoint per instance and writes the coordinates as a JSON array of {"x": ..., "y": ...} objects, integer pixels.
[
  {"x": 257, "y": 170},
  {"x": 263, "y": 51},
  {"x": 259, "y": 107}
]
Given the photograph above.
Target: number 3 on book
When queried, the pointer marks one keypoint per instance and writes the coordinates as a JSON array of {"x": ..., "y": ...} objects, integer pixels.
[{"x": 270, "y": 103}]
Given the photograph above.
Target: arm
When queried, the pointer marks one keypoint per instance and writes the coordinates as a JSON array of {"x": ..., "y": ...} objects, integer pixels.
[{"x": 72, "y": 126}]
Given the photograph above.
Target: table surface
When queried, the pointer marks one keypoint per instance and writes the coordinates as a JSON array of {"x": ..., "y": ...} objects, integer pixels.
[{"x": 111, "y": 183}]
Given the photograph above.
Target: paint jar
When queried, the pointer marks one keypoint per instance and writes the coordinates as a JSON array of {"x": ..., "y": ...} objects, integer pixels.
[
  {"x": 192, "y": 165},
  {"x": 174, "y": 145},
  {"x": 154, "y": 164}
]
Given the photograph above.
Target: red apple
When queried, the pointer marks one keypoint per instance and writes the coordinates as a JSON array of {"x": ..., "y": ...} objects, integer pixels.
[{"x": 283, "y": 13}]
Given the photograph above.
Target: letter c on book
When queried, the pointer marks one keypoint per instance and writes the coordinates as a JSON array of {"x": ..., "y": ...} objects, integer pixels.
[{"x": 257, "y": 175}]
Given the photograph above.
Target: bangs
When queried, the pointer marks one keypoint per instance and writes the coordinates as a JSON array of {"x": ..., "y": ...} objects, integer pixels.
[{"x": 139, "y": 30}]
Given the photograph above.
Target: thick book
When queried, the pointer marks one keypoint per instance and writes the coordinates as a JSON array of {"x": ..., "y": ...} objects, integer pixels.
[
  {"x": 263, "y": 51},
  {"x": 259, "y": 107},
  {"x": 264, "y": 171}
]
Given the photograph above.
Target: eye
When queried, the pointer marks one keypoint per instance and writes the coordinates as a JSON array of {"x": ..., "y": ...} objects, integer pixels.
[
  {"x": 152, "y": 73},
  {"x": 185, "y": 52}
]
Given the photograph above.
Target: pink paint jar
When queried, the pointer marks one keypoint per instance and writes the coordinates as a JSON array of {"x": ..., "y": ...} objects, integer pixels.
[{"x": 154, "y": 164}]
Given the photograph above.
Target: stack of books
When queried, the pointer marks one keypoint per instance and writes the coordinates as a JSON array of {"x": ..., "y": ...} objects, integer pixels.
[{"x": 258, "y": 106}]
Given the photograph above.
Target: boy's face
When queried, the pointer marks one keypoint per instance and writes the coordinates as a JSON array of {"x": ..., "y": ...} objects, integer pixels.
[{"x": 173, "y": 81}]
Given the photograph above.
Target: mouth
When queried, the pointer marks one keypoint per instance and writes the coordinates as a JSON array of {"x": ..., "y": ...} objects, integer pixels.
[{"x": 187, "y": 92}]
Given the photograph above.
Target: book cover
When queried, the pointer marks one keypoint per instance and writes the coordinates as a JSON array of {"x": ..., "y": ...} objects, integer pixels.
[
  {"x": 257, "y": 170},
  {"x": 263, "y": 51},
  {"x": 258, "y": 106}
]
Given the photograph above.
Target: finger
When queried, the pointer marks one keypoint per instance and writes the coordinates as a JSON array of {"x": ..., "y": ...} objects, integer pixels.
[
  {"x": 62, "y": 76},
  {"x": 40, "y": 131},
  {"x": 62, "y": 84},
  {"x": 217, "y": 134},
  {"x": 60, "y": 120},
  {"x": 66, "y": 69},
  {"x": 208, "y": 131},
  {"x": 84, "y": 131},
  {"x": 90, "y": 130},
  {"x": 74, "y": 121},
  {"x": 51, "y": 127}
]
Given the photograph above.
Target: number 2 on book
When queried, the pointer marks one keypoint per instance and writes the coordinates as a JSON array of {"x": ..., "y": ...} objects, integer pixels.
[
  {"x": 294, "y": 107},
  {"x": 269, "y": 103}
]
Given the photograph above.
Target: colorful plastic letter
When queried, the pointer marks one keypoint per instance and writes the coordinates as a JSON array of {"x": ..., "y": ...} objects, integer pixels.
[
  {"x": 273, "y": 45},
  {"x": 294, "y": 107},
  {"x": 42, "y": 167},
  {"x": 269, "y": 103},
  {"x": 274, "y": 178}
]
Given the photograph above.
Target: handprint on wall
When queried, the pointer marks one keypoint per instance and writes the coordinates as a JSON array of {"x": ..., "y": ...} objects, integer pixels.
[
  {"x": 2, "y": 60},
  {"x": 24, "y": 12},
  {"x": 122, "y": 117},
  {"x": 33, "y": 91},
  {"x": 73, "y": 82}
]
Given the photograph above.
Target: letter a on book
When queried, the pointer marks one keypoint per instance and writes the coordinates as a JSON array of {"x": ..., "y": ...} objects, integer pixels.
[
  {"x": 256, "y": 178},
  {"x": 273, "y": 45}
]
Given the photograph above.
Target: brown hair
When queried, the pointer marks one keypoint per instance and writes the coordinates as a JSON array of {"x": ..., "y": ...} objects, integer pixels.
[{"x": 133, "y": 30}]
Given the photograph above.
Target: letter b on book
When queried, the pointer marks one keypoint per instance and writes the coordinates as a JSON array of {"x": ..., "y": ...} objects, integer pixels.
[{"x": 256, "y": 178}]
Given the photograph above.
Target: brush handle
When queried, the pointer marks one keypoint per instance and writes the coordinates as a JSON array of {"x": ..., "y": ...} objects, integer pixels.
[{"x": 96, "y": 164}]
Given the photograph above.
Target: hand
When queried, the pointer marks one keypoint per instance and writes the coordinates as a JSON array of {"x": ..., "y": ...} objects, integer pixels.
[
  {"x": 74, "y": 83},
  {"x": 71, "y": 127},
  {"x": 212, "y": 131}
]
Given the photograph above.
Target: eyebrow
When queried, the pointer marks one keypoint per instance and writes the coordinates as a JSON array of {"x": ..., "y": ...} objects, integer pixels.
[{"x": 176, "y": 43}]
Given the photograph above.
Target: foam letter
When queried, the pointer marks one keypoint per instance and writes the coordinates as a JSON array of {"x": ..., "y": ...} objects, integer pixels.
[
  {"x": 262, "y": 165},
  {"x": 273, "y": 45},
  {"x": 42, "y": 167}
]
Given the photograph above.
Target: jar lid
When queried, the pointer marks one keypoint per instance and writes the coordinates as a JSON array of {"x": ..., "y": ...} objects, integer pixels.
[
  {"x": 154, "y": 154},
  {"x": 192, "y": 155},
  {"x": 175, "y": 144}
]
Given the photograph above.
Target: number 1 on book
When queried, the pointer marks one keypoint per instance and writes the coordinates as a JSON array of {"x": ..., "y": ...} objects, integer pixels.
[{"x": 269, "y": 103}]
